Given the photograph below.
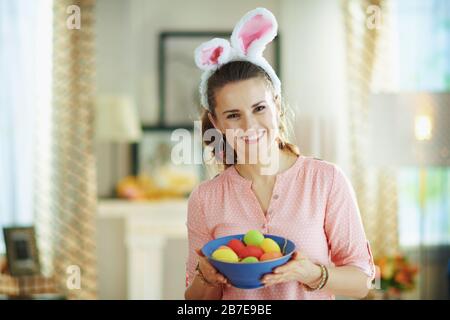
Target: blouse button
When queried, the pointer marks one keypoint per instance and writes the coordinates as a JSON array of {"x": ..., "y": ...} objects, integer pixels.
[{"x": 276, "y": 197}]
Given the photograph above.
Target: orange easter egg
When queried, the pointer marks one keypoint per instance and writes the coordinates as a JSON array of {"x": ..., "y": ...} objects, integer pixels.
[{"x": 270, "y": 256}]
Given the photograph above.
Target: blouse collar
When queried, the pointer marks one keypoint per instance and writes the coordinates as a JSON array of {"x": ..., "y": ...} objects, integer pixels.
[{"x": 289, "y": 172}]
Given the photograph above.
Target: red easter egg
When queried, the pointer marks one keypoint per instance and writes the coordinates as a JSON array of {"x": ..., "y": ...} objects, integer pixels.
[
  {"x": 236, "y": 245},
  {"x": 241, "y": 252},
  {"x": 251, "y": 251}
]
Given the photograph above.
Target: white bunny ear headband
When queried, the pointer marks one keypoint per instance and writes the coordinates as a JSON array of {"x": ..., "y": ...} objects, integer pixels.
[{"x": 250, "y": 36}]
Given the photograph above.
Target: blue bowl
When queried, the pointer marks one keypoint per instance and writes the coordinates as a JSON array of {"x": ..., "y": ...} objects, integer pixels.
[{"x": 247, "y": 275}]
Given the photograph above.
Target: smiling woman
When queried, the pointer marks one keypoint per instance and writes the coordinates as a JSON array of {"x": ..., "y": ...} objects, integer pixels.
[
  {"x": 249, "y": 85},
  {"x": 308, "y": 201}
]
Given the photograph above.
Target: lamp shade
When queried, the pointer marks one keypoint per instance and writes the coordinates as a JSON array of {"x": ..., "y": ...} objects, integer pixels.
[
  {"x": 117, "y": 119},
  {"x": 409, "y": 129}
]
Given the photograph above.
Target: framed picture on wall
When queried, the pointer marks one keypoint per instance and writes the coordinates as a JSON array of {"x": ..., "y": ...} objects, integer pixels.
[
  {"x": 21, "y": 251},
  {"x": 179, "y": 77}
]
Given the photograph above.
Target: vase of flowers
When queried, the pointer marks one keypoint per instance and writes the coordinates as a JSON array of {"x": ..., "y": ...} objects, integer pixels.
[{"x": 397, "y": 275}]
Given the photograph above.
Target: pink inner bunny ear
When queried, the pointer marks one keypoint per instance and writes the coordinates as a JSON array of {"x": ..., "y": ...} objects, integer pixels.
[
  {"x": 212, "y": 53},
  {"x": 253, "y": 32},
  {"x": 254, "y": 29}
]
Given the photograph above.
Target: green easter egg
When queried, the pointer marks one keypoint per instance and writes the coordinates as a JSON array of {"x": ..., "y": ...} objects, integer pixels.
[
  {"x": 249, "y": 260},
  {"x": 253, "y": 238}
]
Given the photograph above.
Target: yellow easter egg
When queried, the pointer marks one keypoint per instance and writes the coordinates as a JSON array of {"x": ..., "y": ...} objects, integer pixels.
[
  {"x": 225, "y": 255},
  {"x": 269, "y": 245}
]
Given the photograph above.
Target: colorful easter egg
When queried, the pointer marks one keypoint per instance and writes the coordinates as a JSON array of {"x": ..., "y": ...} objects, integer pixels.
[
  {"x": 250, "y": 260},
  {"x": 225, "y": 247},
  {"x": 225, "y": 255},
  {"x": 253, "y": 238},
  {"x": 251, "y": 251},
  {"x": 269, "y": 245},
  {"x": 270, "y": 256},
  {"x": 236, "y": 245},
  {"x": 242, "y": 252}
]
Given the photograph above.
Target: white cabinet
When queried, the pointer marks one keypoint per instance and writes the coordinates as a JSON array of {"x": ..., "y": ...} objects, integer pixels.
[{"x": 147, "y": 229}]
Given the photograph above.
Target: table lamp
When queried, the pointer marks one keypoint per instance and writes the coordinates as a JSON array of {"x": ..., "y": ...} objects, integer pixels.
[{"x": 117, "y": 121}]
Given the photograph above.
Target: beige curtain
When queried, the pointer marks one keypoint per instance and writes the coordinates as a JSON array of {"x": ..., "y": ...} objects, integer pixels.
[
  {"x": 65, "y": 216},
  {"x": 376, "y": 189}
]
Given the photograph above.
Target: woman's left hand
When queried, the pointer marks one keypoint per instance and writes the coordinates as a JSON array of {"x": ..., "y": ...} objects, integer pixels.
[{"x": 299, "y": 268}]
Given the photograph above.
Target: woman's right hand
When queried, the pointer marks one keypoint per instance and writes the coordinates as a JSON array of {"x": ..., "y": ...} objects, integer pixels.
[{"x": 209, "y": 272}]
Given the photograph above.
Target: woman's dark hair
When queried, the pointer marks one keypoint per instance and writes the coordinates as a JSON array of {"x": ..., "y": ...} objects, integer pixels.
[{"x": 232, "y": 72}]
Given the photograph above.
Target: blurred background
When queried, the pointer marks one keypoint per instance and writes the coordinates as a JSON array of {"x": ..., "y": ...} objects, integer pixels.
[{"x": 91, "y": 92}]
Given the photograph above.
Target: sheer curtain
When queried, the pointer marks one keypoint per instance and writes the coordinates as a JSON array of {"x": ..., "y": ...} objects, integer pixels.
[
  {"x": 376, "y": 188},
  {"x": 25, "y": 90},
  {"x": 66, "y": 211}
]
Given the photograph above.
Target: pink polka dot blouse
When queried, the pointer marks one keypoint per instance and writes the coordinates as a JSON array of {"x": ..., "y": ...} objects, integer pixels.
[{"x": 313, "y": 204}]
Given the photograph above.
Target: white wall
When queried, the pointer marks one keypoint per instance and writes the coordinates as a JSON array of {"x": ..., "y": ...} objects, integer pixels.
[
  {"x": 313, "y": 75},
  {"x": 127, "y": 33}
]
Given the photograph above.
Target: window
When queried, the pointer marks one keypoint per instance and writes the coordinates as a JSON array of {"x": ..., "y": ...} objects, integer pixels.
[
  {"x": 423, "y": 43},
  {"x": 25, "y": 104}
]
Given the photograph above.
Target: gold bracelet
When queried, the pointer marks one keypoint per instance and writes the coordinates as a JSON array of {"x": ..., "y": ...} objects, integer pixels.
[
  {"x": 323, "y": 279},
  {"x": 326, "y": 278}
]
